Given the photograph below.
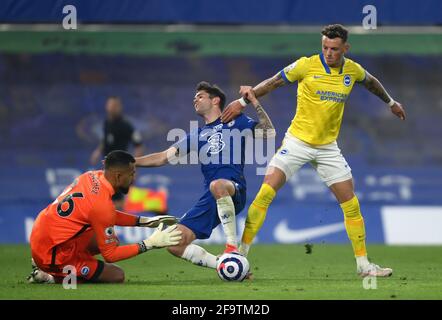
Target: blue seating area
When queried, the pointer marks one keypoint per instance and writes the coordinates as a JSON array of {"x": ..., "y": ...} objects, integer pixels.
[
  {"x": 52, "y": 106},
  {"x": 50, "y": 95}
]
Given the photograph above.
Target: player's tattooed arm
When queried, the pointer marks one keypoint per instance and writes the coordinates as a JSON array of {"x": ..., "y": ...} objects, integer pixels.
[
  {"x": 374, "y": 86},
  {"x": 269, "y": 85},
  {"x": 235, "y": 108},
  {"x": 265, "y": 128},
  {"x": 266, "y": 86}
]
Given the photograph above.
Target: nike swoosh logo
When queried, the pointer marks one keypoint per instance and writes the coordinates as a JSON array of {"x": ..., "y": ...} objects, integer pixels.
[
  {"x": 317, "y": 77},
  {"x": 284, "y": 234}
]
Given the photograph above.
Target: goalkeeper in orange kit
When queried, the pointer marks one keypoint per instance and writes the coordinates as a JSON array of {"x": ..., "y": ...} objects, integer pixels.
[{"x": 79, "y": 224}]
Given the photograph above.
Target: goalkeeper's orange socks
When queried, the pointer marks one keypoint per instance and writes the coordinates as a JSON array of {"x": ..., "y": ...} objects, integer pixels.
[
  {"x": 256, "y": 216},
  {"x": 354, "y": 224}
]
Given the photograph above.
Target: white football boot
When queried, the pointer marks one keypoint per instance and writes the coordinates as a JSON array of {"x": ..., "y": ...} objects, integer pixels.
[{"x": 373, "y": 270}]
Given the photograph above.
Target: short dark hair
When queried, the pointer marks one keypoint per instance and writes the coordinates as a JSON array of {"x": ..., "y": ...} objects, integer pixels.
[
  {"x": 214, "y": 91},
  {"x": 335, "y": 31},
  {"x": 118, "y": 158},
  {"x": 116, "y": 98}
]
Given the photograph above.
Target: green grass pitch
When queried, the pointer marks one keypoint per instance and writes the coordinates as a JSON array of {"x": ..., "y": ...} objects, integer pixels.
[{"x": 281, "y": 272}]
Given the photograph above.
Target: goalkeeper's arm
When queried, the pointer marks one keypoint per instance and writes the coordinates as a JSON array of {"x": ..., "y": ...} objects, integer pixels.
[
  {"x": 153, "y": 222},
  {"x": 129, "y": 220}
]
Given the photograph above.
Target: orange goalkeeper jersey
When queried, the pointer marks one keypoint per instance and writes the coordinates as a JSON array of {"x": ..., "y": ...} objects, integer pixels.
[{"x": 85, "y": 204}]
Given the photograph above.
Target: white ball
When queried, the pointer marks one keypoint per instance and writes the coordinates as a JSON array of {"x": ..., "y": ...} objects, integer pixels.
[{"x": 232, "y": 267}]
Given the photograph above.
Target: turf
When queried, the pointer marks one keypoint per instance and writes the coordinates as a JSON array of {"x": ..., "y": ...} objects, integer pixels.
[{"x": 281, "y": 272}]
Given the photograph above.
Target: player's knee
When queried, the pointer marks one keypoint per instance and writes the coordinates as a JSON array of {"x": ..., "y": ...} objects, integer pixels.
[
  {"x": 177, "y": 251},
  {"x": 186, "y": 239},
  {"x": 218, "y": 188},
  {"x": 265, "y": 196},
  {"x": 111, "y": 274},
  {"x": 275, "y": 178},
  {"x": 116, "y": 274},
  {"x": 119, "y": 275}
]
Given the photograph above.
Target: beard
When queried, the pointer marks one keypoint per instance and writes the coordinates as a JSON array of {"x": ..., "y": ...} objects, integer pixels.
[{"x": 123, "y": 190}]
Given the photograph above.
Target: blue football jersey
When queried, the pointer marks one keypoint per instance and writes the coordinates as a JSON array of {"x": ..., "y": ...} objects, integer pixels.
[{"x": 221, "y": 148}]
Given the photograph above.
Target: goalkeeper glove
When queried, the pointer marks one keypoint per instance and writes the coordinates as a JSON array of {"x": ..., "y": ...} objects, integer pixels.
[
  {"x": 155, "y": 221},
  {"x": 161, "y": 238}
]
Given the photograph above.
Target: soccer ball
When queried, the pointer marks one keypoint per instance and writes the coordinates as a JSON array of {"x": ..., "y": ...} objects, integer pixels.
[{"x": 232, "y": 267}]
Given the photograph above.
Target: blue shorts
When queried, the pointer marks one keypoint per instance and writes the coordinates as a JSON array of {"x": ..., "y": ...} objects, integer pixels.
[{"x": 203, "y": 217}]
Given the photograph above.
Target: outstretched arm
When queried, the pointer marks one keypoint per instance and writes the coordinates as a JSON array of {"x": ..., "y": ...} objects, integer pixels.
[
  {"x": 157, "y": 159},
  {"x": 138, "y": 152},
  {"x": 375, "y": 86},
  {"x": 235, "y": 108},
  {"x": 129, "y": 220},
  {"x": 264, "y": 128}
]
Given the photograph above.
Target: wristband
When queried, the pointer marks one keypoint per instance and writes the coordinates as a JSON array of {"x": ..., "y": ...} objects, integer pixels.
[
  {"x": 244, "y": 101},
  {"x": 142, "y": 247},
  {"x": 391, "y": 103}
]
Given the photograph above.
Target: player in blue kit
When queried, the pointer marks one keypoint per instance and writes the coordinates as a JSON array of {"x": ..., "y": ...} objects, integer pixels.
[{"x": 221, "y": 152}]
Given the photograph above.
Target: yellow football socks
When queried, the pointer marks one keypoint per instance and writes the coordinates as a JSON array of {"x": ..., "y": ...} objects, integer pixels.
[
  {"x": 354, "y": 224},
  {"x": 257, "y": 213}
]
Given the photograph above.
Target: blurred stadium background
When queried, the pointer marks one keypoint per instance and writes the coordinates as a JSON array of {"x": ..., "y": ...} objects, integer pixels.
[{"x": 54, "y": 84}]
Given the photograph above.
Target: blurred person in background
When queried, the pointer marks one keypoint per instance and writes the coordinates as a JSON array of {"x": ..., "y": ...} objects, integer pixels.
[{"x": 118, "y": 134}]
